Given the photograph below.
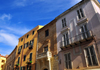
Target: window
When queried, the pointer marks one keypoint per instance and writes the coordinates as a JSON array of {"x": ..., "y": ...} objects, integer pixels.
[
  {"x": 18, "y": 59},
  {"x": 63, "y": 23},
  {"x": 80, "y": 13},
  {"x": 26, "y": 44},
  {"x": 68, "y": 61},
  {"x": 45, "y": 49},
  {"x": 33, "y": 32},
  {"x": 1, "y": 66},
  {"x": 30, "y": 56},
  {"x": 27, "y": 35},
  {"x": 32, "y": 42},
  {"x": 19, "y": 49},
  {"x": 91, "y": 56},
  {"x": 84, "y": 31},
  {"x": 46, "y": 33},
  {"x": 65, "y": 41},
  {"x": 21, "y": 39},
  {"x": 3, "y": 61},
  {"x": 29, "y": 67},
  {"x": 24, "y": 57}
]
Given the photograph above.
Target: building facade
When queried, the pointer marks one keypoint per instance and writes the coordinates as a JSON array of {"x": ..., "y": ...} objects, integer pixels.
[
  {"x": 26, "y": 51},
  {"x": 78, "y": 36},
  {"x": 47, "y": 48},
  {"x": 2, "y": 62},
  {"x": 10, "y": 60}
]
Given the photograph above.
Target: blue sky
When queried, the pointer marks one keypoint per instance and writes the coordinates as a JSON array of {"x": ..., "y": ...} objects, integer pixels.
[{"x": 17, "y": 17}]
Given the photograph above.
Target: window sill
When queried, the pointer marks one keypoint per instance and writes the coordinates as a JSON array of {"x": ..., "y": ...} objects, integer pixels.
[
  {"x": 82, "y": 20},
  {"x": 65, "y": 29}
]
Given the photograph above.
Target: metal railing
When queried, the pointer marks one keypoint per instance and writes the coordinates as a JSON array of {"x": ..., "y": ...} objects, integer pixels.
[
  {"x": 17, "y": 64},
  {"x": 30, "y": 46},
  {"x": 42, "y": 54},
  {"x": 29, "y": 61},
  {"x": 76, "y": 38}
]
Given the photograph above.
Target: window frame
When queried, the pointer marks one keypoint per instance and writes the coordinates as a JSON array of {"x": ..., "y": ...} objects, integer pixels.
[
  {"x": 82, "y": 12},
  {"x": 64, "y": 23},
  {"x": 70, "y": 59},
  {"x": 86, "y": 60}
]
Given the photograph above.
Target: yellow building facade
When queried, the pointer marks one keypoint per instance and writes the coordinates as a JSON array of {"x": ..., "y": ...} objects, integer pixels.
[
  {"x": 26, "y": 51},
  {"x": 2, "y": 62}
]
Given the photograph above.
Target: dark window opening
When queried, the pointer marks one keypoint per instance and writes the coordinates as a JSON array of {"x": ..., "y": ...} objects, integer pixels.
[
  {"x": 33, "y": 32},
  {"x": 46, "y": 33},
  {"x": 63, "y": 22},
  {"x": 30, "y": 56},
  {"x": 45, "y": 49},
  {"x": 21, "y": 39},
  {"x": 68, "y": 61},
  {"x": 27, "y": 35},
  {"x": 24, "y": 57}
]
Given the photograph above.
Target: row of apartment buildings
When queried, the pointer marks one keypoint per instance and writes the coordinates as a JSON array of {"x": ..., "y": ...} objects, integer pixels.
[
  {"x": 70, "y": 41},
  {"x": 2, "y": 61}
]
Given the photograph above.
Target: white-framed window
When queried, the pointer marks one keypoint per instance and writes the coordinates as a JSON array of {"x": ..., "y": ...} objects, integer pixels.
[
  {"x": 80, "y": 13},
  {"x": 65, "y": 39},
  {"x": 64, "y": 22},
  {"x": 68, "y": 63},
  {"x": 84, "y": 31},
  {"x": 90, "y": 56}
]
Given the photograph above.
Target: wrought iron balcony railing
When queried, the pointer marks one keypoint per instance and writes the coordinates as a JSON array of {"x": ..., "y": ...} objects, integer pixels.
[
  {"x": 47, "y": 54},
  {"x": 17, "y": 64},
  {"x": 77, "y": 39},
  {"x": 29, "y": 61},
  {"x": 30, "y": 46}
]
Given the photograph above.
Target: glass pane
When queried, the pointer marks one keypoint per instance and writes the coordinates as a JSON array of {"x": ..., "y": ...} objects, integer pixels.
[
  {"x": 64, "y": 40},
  {"x": 94, "y": 60},
  {"x": 87, "y": 52},
  {"x": 66, "y": 57},
  {"x": 89, "y": 61},
  {"x": 83, "y": 32},
  {"x": 81, "y": 11},
  {"x": 70, "y": 66},
  {"x": 66, "y": 65},
  {"x": 69, "y": 56},
  {"x": 92, "y": 50},
  {"x": 78, "y": 14}
]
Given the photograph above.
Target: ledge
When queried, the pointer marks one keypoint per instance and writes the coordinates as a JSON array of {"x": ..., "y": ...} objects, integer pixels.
[{"x": 83, "y": 20}]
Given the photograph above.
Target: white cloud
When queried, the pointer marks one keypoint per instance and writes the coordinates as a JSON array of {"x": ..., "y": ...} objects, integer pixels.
[
  {"x": 9, "y": 39},
  {"x": 5, "y": 16}
]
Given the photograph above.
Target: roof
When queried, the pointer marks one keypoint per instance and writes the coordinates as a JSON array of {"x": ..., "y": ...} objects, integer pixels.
[
  {"x": 52, "y": 22},
  {"x": 30, "y": 31},
  {"x": 12, "y": 51},
  {"x": 75, "y": 6},
  {"x": 3, "y": 56}
]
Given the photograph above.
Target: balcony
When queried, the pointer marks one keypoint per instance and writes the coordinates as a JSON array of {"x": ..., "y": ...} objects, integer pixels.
[
  {"x": 44, "y": 55},
  {"x": 17, "y": 64},
  {"x": 29, "y": 61},
  {"x": 19, "y": 52},
  {"x": 30, "y": 46},
  {"x": 85, "y": 36}
]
